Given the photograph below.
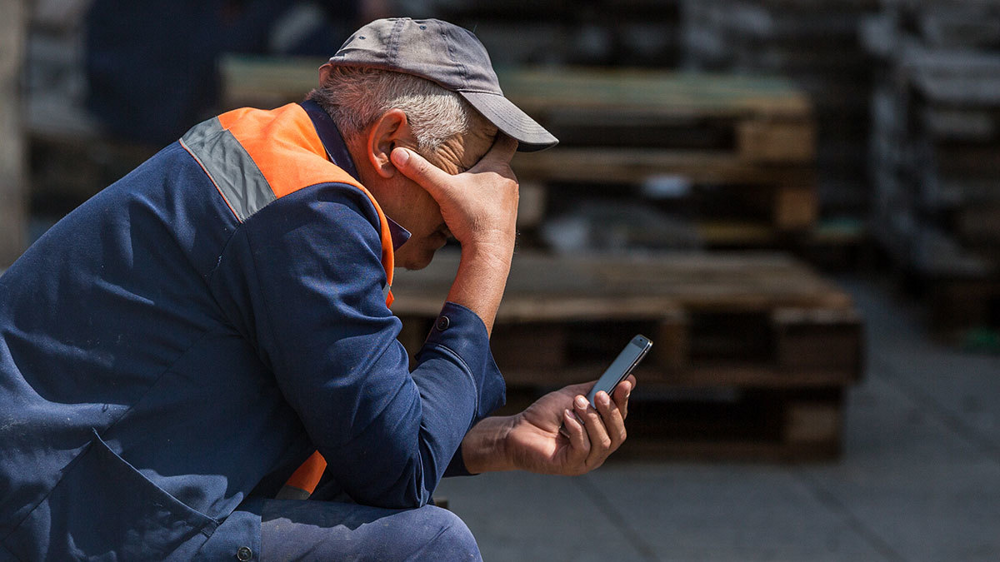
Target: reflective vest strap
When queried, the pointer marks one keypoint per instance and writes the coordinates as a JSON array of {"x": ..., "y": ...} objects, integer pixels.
[
  {"x": 284, "y": 146},
  {"x": 307, "y": 476}
]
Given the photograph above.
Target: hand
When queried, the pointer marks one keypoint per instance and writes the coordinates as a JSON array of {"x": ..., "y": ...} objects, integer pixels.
[
  {"x": 479, "y": 205},
  {"x": 534, "y": 442}
]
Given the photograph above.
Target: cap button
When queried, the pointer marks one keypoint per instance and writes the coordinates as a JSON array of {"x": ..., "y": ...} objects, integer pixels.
[{"x": 244, "y": 554}]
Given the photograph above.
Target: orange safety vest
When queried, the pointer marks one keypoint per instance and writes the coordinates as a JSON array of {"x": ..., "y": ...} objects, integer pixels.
[{"x": 279, "y": 152}]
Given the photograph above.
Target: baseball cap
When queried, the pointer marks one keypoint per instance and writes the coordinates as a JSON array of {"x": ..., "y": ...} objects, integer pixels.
[{"x": 450, "y": 56}]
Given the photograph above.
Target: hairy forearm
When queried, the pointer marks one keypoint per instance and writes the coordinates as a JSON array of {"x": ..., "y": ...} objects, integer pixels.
[
  {"x": 483, "y": 448},
  {"x": 481, "y": 278}
]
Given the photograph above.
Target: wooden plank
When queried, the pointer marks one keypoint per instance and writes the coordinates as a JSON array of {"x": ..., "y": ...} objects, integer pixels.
[
  {"x": 768, "y": 141},
  {"x": 536, "y": 347},
  {"x": 13, "y": 199},
  {"x": 672, "y": 344},
  {"x": 795, "y": 207},
  {"x": 593, "y": 287},
  {"x": 531, "y": 204},
  {"x": 654, "y": 93},
  {"x": 631, "y": 165},
  {"x": 812, "y": 422},
  {"x": 817, "y": 339},
  {"x": 785, "y": 426}
]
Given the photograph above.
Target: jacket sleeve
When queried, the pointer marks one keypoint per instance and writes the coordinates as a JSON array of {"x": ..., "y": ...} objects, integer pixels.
[{"x": 309, "y": 268}]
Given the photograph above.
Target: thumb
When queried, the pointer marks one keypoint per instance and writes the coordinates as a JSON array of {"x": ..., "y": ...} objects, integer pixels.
[{"x": 418, "y": 169}]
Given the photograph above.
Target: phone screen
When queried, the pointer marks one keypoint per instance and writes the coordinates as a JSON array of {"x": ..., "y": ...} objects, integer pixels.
[{"x": 620, "y": 368}]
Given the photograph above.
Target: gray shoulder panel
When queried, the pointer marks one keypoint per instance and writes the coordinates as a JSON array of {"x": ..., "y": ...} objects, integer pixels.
[{"x": 229, "y": 165}]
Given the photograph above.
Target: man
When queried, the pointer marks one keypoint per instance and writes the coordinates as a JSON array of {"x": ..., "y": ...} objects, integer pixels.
[{"x": 173, "y": 350}]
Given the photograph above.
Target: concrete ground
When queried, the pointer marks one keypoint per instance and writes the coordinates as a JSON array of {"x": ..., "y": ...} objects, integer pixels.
[{"x": 919, "y": 479}]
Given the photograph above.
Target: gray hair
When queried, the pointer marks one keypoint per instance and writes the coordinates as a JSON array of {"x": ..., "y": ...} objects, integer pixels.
[{"x": 356, "y": 97}]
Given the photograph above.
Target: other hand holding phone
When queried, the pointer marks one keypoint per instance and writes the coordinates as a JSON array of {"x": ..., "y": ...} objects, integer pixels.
[{"x": 532, "y": 440}]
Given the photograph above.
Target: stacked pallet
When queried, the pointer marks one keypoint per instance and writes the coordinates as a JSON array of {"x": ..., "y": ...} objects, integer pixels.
[
  {"x": 736, "y": 152},
  {"x": 558, "y": 32},
  {"x": 814, "y": 44},
  {"x": 751, "y": 355},
  {"x": 935, "y": 153}
]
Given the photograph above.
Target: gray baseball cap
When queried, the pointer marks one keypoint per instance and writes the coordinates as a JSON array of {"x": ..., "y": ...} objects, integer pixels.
[{"x": 450, "y": 56}]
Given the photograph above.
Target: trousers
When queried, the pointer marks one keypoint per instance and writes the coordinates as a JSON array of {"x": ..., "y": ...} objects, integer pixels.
[{"x": 307, "y": 530}]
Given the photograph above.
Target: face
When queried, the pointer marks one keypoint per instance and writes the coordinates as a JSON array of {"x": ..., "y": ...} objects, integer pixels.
[{"x": 410, "y": 205}]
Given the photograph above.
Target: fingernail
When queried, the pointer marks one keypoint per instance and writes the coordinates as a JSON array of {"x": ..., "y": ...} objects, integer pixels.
[
  {"x": 581, "y": 402},
  {"x": 400, "y": 156},
  {"x": 569, "y": 415},
  {"x": 604, "y": 398}
]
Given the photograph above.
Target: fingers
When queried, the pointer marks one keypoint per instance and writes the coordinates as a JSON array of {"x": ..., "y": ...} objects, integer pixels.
[
  {"x": 614, "y": 420},
  {"x": 622, "y": 393},
  {"x": 578, "y": 440},
  {"x": 418, "y": 169},
  {"x": 502, "y": 151},
  {"x": 600, "y": 442}
]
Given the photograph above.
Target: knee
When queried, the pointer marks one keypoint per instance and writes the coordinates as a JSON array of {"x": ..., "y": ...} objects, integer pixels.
[{"x": 448, "y": 537}]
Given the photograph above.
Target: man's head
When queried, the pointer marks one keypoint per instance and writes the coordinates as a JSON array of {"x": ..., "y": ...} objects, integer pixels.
[
  {"x": 379, "y": 110},
  {"x": 426, "y": 85}
]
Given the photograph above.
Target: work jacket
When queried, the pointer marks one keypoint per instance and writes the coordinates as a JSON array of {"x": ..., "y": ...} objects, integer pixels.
[{"x": 173, "y": 349}]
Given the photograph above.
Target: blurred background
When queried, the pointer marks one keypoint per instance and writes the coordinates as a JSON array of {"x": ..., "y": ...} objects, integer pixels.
[{"x": 798, "y": 201}]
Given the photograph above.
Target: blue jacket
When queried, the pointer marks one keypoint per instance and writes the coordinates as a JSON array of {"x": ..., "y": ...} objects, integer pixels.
[{"x": 163, "y": 364}]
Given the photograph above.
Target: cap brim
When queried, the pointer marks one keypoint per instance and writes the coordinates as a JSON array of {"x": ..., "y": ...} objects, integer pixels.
[{"x": 511, "y": 121}]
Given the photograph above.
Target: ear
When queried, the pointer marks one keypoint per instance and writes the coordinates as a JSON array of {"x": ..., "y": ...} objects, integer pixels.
[
  {"x": 324, "y": 73},
  {"x": 389, "y": 131}
]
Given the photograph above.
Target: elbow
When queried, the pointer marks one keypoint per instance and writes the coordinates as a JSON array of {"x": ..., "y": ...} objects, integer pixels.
[{"x": 408, "y": 491}]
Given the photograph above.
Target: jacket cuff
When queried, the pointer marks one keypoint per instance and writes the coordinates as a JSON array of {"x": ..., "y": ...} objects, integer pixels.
[
  {"x": 462, "y": 332},
  {"x": 457, "y": 465}
]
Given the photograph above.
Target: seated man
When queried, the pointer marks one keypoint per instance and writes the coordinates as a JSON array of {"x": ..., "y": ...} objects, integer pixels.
[{"x": 176, "y": 348}]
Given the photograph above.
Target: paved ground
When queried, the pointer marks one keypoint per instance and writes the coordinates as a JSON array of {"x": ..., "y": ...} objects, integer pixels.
[{"x": 919, "y": 480}]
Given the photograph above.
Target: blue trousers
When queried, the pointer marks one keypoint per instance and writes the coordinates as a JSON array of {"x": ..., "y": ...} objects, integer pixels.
[{"x": 326, "y": 530}]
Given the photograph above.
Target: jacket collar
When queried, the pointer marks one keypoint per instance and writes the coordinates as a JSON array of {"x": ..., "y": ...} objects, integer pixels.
[{"x": 336, "y": 151}]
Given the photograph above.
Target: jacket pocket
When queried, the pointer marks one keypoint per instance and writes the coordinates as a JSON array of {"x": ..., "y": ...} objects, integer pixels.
[{"x": 105, "y": 509}]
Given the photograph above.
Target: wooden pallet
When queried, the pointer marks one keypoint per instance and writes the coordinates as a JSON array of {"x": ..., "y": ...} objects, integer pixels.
[
  {"x": 935, "y": 145},
  {"x": 758, "y": 325},
  {"x": 753, "y": 120},
  {"x": 753, "y": 137}
]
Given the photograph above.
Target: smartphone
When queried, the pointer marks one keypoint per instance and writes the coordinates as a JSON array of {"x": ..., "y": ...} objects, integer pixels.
[{"x": 621, "y": 367}]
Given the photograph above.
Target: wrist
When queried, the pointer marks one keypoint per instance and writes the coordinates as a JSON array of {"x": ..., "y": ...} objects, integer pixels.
[
  {"x": 496, "y": 246},
  {"x": 484, "y": 448}
]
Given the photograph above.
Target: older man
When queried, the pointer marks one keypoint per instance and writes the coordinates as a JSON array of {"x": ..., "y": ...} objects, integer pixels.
[{"x": 173, "y": 350}]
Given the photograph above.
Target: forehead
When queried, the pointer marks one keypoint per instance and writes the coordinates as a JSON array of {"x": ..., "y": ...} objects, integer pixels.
[
  {"x": 464, "y": 151},
  {"x": 479, "y": 140}
]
